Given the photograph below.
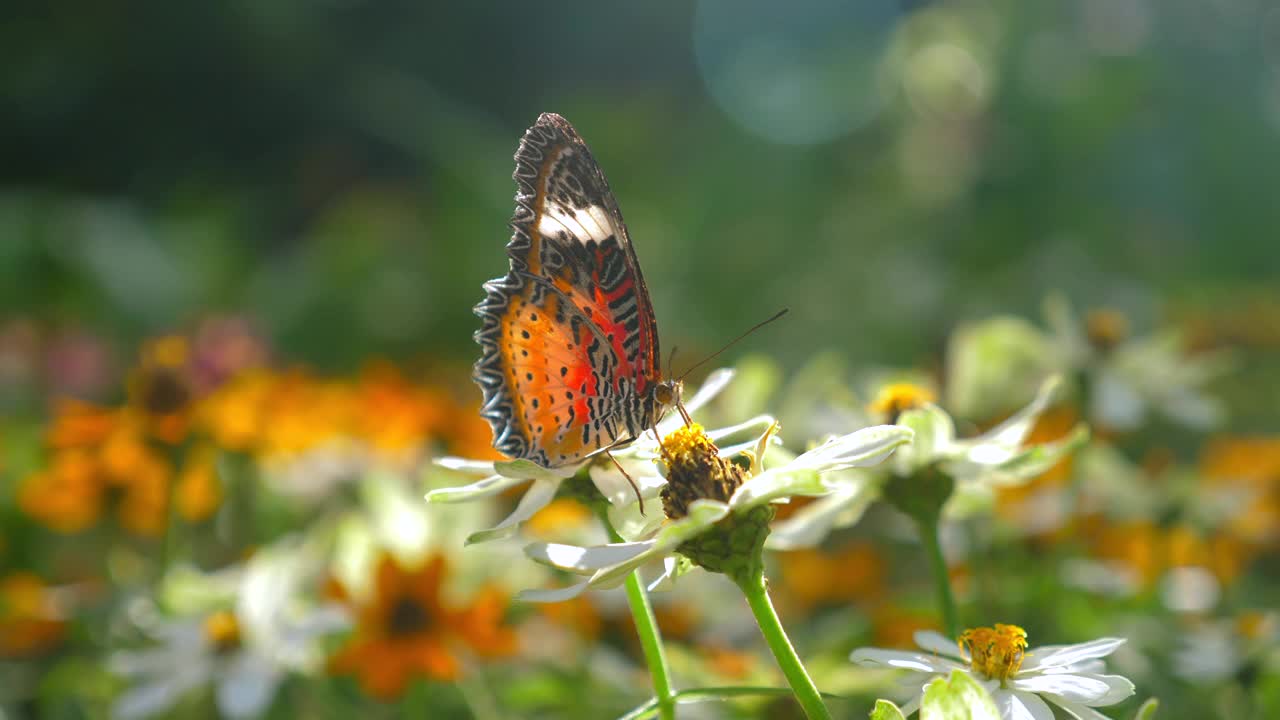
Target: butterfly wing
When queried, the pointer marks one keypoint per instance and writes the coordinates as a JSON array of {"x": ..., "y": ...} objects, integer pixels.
[{"x": 569, "y": 342}]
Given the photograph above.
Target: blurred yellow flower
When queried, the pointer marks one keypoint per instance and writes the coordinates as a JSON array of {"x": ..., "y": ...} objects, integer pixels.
[
  {"x": 560, "y": 514},
  {"x": 408, "y": 631},
  {"x": 896, "y": 398}
]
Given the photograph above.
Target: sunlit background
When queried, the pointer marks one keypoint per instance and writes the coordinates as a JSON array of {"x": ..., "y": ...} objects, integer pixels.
[{"x": 325, "y": 185}]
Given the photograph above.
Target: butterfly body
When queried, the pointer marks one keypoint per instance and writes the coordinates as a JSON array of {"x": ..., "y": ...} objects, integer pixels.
[{"x": 569, "y": 363}]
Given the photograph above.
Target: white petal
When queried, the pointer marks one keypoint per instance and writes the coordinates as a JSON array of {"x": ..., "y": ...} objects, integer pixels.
[
  {"x": 1077, "y": 710},
  {"x": 778, "y": 483},
  {"x": 1020, "y": 705},
  {"x": 529, "y": 470},
  {"x": 1012, "y": 432},
  {"x": 904, "y": 659},
  {"x": 670, "y": 569},
  {"x": 487, "y": 487},
  {"x": 1037, "y": 658},
  {"x": 1118, "y": 689},
  {"x": 248, "y": 687},
  {"x": 1076, "y": 688},
  {"x": 584, "y": 560},
  {"x": 715, "y": 382},
  {"x": 868, "y": 446},
  {"x": 631, "y": 524},
  {"x": 147, "y": 699},
  {"x": 808, "y": 526},
  {"x": 466, "y": 465},
  {"x": 702, "y": 515},
  {"x": 938, "y": 643},
  {"x": 550, "y": 596},
  {"x": 759, "y": 421},
  {"x": 538, "y": 496},
  {"x": 613, "y": 484},
  {"x": 999, "y": 466}
]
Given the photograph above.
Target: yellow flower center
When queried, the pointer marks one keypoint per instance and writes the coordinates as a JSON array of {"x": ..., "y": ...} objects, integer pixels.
[
  {"x": 1106, "y": 328},
  {"x": 995, "y": 652},
  {"x": 1255, "y": 625},
  {"x": 695, "y": 471},
  {"x": 686, "y": 443},
  {"x": 223, "y": 631},
  {"x": 896, "y": 398}
]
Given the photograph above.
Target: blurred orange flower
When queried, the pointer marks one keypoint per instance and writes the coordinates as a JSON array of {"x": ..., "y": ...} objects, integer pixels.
[
  {"x": 199, "y": 491},
  {"x": 406, "y": 630},
  {"x": 101, "y": 463},
  {"x": 1149, "y": 550},
  {"x": 894, "y": 627},
  {"x": 160, "y": 387},
  {"x": 814, "y": 577},
  {"x": 1012, "y": 500},
  {"x": 1252, "y": 465},
  {"x": 29, "y": 619}
]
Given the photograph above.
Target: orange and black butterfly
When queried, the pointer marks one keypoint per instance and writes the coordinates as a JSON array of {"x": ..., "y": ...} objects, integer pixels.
[{"x": 569, "y": 364}]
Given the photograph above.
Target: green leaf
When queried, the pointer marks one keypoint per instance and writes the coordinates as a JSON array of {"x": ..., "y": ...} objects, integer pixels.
[
  {"x": 958, "y": 697},
  {"x": 1148, "y": 710},
  {"x": 885, "y": 710}
]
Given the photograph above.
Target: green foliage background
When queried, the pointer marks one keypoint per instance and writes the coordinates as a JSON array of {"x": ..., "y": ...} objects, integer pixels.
[{"x": 340, "y": 170}]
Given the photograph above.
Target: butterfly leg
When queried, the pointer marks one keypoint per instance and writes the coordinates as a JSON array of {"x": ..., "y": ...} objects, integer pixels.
[
  {"x": 684, "y": 413},
  {"x": 625, "y": 474}
]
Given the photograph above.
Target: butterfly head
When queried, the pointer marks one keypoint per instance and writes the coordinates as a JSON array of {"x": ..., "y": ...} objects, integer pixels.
[{"x": 667, "y": 392}]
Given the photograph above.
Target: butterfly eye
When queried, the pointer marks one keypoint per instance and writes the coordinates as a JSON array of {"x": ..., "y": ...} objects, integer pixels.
[{"x": 664, "y": 393}]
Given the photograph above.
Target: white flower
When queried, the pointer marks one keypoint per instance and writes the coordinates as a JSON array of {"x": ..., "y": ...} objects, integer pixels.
[
  {"x": 1127, "y": 378},
  {"x": 1019, "y": 680},
  {"x": 807, "y": 474},
  {"x": 636, "y": 458},
  {"x": 243, "y": 652},
  {"x": 979, "y": 464},
  {"x": 1220, "y": 649}
]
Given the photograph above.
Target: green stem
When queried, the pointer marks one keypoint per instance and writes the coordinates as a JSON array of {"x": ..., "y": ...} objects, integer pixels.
[
  {"x": 755, "y": 588},
  {"x": 655, "y": 655},
  {"x": 941, "y": 578}
]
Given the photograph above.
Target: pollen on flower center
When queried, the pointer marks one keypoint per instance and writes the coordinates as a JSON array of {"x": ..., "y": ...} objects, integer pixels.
[
  {"x": 223, "y": 631},
  {"x": 695, "y": 471},
  {"x": 997, "y": 652},
  {"x": 896, "y": 398}
]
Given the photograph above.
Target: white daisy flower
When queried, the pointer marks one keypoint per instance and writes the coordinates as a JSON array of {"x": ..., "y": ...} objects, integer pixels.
[
  {"x": 1127, "y": 378},
  {"x": 1220, "y": 649},
  {"x": 979, "y": 464},
  {"x": 1022, "y": 682},
  {"x": 243, "y": 651},
  {"x": 544, "y": 483},
  {"x": 702, "y": 492}
]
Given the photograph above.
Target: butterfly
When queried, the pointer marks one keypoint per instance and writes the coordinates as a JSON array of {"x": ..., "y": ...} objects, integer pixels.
[{"x": 569, "y": 363}]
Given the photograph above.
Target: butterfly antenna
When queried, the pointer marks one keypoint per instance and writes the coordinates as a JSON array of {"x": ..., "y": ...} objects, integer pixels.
[{"x": 730, "y": 344}]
